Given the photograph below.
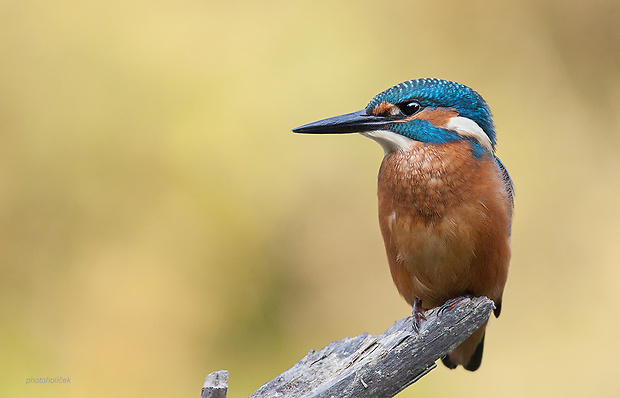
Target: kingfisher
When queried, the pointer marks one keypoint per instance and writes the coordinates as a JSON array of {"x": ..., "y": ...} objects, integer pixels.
[{"x": 445, "y": 198}]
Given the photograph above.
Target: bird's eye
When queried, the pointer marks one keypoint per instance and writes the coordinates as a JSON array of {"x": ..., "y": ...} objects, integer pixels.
[{"x": 410, "y": 107}]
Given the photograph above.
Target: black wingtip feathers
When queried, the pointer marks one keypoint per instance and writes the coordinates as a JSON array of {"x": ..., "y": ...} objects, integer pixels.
[{"x": 476, "y": 358}]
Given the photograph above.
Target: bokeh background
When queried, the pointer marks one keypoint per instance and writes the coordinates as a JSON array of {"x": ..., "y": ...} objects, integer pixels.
[{"x": 159, "y": 221}]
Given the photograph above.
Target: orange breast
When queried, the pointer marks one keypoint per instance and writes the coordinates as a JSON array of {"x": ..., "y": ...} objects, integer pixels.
[{"x": 445, "y": 220}]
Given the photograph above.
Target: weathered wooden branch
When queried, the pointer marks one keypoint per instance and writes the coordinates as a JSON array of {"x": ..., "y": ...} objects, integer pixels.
[
  {"x": 376, "y": 365},
  {"x": 216, "y": 385}
]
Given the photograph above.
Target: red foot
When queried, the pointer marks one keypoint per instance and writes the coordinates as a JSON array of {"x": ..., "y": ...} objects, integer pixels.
[
  {"x": 450, "y": 303},
  {"x": 417, "y": 315}
]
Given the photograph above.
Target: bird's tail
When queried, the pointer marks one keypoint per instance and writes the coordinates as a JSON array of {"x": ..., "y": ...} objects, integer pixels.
[{"x": 469, "y": 353}]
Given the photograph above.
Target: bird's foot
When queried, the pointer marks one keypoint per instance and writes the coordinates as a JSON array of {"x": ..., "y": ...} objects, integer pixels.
[
  {"x": 450, "y": 303},
  {"x": 418, "y": 315}
]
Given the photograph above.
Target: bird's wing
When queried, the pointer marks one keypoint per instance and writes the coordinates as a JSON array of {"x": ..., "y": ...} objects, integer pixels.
[{"x": 507, "y": 183}]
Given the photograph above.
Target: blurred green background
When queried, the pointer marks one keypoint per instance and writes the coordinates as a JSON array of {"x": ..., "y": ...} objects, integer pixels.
[{"x": 159, "y": 220}]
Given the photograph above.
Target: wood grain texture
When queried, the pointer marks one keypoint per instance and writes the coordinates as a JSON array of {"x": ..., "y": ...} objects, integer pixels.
[
  {"x": 215, "y": 385},
  {"x": 380, "y": 365}
]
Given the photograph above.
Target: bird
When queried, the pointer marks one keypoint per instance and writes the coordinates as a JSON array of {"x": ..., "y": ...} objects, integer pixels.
[{"x": 445, "y": 199}]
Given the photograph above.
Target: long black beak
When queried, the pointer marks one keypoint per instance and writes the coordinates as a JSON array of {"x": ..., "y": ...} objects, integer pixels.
[{"x": 356, "y": 122}]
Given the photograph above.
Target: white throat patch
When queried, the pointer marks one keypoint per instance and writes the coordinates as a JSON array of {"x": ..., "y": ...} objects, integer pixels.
[
  {"x": 467, "y": 127},
  {"x": 390, "y": 141}
]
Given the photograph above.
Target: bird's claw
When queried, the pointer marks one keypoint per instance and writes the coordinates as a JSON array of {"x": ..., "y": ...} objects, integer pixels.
[
  {"x": 417, "y": 315},
  {"x": 450, "y": 303}
]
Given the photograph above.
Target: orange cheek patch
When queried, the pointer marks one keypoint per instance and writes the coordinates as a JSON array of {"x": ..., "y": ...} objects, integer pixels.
[
  {"x": 384, "y": 108},
  {"x": 438, "y": 117}
]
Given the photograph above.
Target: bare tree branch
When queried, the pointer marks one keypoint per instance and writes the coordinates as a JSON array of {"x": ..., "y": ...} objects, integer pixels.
[
  {"x": 379, "y": 365},
  {"x": 216, "y": 385}
]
